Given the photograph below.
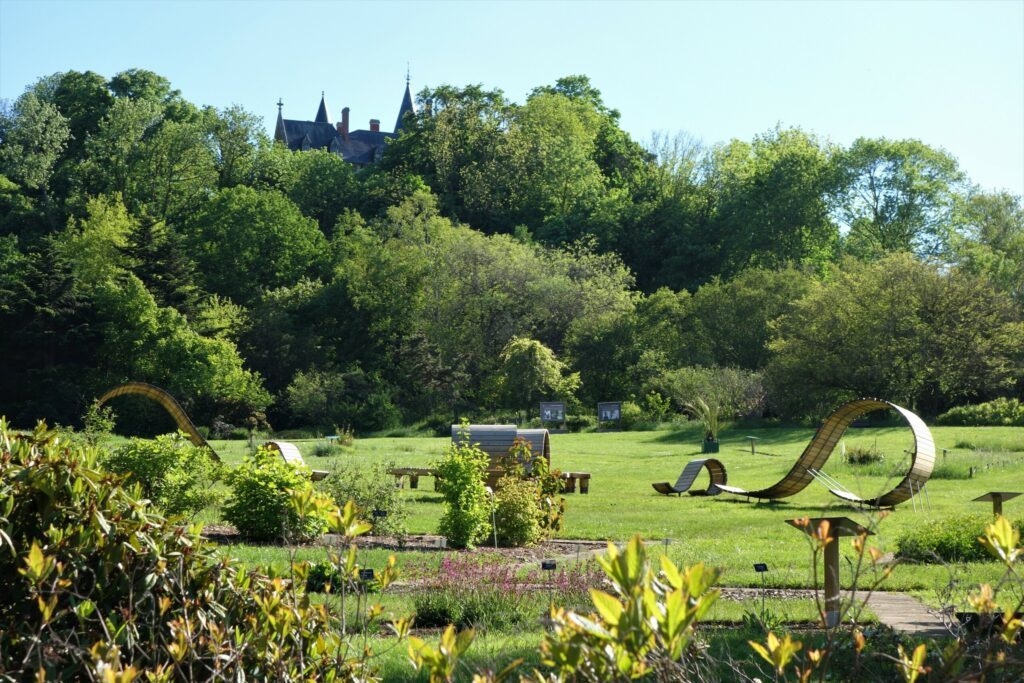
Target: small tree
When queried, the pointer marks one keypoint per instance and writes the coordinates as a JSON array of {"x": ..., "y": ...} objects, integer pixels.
[{"x": 530, "y": 372}]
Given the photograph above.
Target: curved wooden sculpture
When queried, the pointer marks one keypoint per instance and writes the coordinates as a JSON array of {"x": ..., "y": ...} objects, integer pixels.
[
  {"x": 716, "y": 471},
  {"x": 167, "y": 402},
  {"x": 806, "y": 468}
]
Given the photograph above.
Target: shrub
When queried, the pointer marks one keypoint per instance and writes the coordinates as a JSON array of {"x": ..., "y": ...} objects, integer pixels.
[
  {"x": 951, "y": 539},
  {"x": 96, "y": 582},
  {"x": 864, "y": 455},
  {"x": 521, "y": 463},
  {"x": 326, "y": 449},
  {"x": 630, "y": 415},
  {"x": 465, "y": 520},
  {"x": 1000, "y": 412},
  {"x": 579, "y": 423},
  {"x": 97, "y": 421},
  {"x": 372, "y": 490},
  {"x": 516, "y": 513},
  {"x": 346, "y": 437},
  {"x": 176, "y": 475},
  {"x": 238, "y": 434},
  {"x": 260, "y": 490}
]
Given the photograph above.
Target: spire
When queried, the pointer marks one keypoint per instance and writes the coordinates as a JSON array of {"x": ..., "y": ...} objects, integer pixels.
[
  {"x": 279, "y": 132},
  {"x": 407, "y": 103},
  {"x": 321, "y": 113}
]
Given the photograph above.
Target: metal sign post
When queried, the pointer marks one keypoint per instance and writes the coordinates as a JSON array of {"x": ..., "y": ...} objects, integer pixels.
[{"x": 762, "y": 569}]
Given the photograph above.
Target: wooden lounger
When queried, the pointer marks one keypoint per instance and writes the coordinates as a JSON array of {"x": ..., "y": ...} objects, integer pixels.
[
  {"x": 716, "y": 471},
  {"x": 291, "y": 455}
]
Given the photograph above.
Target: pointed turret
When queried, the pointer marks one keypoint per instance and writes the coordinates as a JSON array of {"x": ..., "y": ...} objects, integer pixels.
[
  {"x": 321, "y": 113},
  {"x": 279, "y": 132},
  {"x": 407, "y": 105}
]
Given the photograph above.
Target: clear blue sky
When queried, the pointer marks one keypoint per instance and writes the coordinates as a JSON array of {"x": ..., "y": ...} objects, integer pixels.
[{"x": 948, "y": 73}]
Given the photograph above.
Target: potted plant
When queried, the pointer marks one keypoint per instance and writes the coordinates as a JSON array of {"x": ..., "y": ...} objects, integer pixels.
[{"x": 708, "y": 416}]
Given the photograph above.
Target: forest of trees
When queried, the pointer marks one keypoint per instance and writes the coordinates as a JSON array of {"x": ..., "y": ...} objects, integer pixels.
[{"x": 498, "y": 254}]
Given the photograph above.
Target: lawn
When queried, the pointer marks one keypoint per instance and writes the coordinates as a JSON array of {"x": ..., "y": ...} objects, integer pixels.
[
  {"x": 728, "y": 531},
  {"x": 724, "y": 531}
]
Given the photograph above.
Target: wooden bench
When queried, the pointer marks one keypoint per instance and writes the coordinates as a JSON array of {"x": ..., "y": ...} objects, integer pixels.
[
  {"x": 414, "y": 474},
  {"x": 570, "y": 479}
]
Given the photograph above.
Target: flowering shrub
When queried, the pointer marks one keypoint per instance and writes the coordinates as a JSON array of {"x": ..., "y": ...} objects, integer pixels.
[{"x": 468, "y": 592}]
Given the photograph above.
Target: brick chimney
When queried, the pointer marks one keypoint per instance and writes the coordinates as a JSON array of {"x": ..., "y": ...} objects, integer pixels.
[
  {"x": 375, "y": 125},
  {"x": 343, "y": 124}
]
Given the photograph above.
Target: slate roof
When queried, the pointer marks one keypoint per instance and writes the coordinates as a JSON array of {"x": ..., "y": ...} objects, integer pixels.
[
  {"x": 362, "y": 147},
  {"x": 406, "y": 108}
]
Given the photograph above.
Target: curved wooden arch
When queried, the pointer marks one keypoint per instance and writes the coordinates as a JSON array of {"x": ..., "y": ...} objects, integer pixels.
[
  {"x": 716, "y": 472},
  {"x": 824, "y": 442},
  {"x": 167, "y": 402}
]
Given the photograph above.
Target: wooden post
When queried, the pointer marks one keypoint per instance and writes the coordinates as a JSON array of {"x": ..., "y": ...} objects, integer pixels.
[
  {"x": 832, "y": 580},
  {"x": 997, "y": 498},
  {"x": 997, "y": 504}
]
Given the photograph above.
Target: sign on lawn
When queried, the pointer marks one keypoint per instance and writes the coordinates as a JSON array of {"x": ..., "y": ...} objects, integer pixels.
[
  {"x": 609, "y": 412},
  {"x": 552, "y": 412}
]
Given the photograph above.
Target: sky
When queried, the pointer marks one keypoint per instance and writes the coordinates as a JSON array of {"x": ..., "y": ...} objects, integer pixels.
[{"x": 948, "y": 73}]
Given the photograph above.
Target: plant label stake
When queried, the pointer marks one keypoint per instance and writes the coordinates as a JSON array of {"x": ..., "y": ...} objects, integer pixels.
[
  {"x": 762, "y": 569},
  {"x": 366, "y": 575},
  {"x": 549, "y": 566},
  {"x": 379, "y": 514}
]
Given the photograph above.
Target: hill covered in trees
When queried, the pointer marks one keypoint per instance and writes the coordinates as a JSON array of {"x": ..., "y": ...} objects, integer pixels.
[{"x": 500, "y": 253}]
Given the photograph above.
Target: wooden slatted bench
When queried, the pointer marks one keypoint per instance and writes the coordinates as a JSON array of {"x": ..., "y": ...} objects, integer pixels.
[
  {"x": 414, "y": 474},
  {"x": 291, "y": 455}
]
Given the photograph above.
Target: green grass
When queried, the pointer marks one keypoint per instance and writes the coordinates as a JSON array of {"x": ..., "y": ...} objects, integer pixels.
[{"x": 724, "y": 530}]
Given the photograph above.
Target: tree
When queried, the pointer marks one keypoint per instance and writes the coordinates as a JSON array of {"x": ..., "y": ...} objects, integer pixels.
[
  {"x": 771, "y": 202},
  {"x": 244, "y": 239},
  {"x": 530, "y": 372},
  {"x": 173, "y": 170},
  {"x": 324, "y": 186},
  {"x": 95, "y": 246},
  {"x": 989, "y": 241},
  {"x": 897, "y": 329},
  {"x": 896, "y": 195},
  {"x": 33, "y": 134},
  {"x": 237, "y": 140}
]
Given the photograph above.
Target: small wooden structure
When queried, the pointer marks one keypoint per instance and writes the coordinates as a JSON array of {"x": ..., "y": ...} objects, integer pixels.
[
  {"x": 414, "y": 474},
  {"x": 291, "y": 455},
  {"x": 997, "y": 498},
  {"x": 716, "y": 472},
  {"x": 837, "y": 528}
]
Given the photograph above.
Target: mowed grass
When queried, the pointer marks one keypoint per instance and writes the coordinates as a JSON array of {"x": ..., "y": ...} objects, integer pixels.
[{"x": 727, "y": 531}]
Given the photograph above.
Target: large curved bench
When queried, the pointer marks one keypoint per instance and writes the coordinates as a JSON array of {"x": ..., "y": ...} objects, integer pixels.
[
  {"x": 716, "y": 471},
  {"x": 167, "y": 402},
  {"x": 817, "y": 452}
]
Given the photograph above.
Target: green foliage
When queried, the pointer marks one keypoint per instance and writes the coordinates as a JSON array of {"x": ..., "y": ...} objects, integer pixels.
[
  {"x": 99, "y": 587},
  {"x": 259, "y": 506},
  {"x": 516, "y": 512},
  {"x": 326, "y": 449},
  {"x": 97, "y": 421},
  {"x": 530, "y": 372},
  {"x": 863, "y": 455},
  {"x": 466, "y": 518},
  {"x": 645, "y": 626},
  {"x": 177, "y": 476},
  {"x": 1001, "y": 411},
  {"x": 950, "y": 539},
  {"x": 372, "y": 490}
]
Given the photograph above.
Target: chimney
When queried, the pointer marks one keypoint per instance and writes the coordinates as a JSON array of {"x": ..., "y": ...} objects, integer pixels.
[
  {"x": 375, "y": 125},
  {"x": 343, "y": 124}
]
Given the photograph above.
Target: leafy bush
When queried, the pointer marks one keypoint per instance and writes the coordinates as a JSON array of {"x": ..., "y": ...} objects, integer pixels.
[
  {"x": 516, "y": 513},
  {"x": 326, "y": 449},
  {"x": 261, "y": 488},
  {"x": 864, "y": 455},
  {"x": 1000, "y": 412},
  {"x": 546, "y": 485},
  {"x": 238, "y": 434},
  {"x": 176, "y": 475},
  {"x": 97, "y": 421},
  {"x": 465, "y": 520},
  {"x": 630, "y": 415},
  {"x": 97, "y": 586},
  {"x": 372, "y": 490},
  {"x": 579, "y": 423},
  {"x": 950, "y": 539},
  {"x": 736, "y": 392},
  {"x": 346, "y": 437}
]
